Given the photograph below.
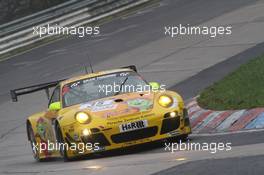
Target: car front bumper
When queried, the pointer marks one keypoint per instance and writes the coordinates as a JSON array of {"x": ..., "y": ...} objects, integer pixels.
[{"x": 110, "y": 137}]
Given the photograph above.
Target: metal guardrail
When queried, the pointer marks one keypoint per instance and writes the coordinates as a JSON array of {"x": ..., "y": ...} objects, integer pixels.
[
  {"x": 19, "y": 33},
  {"x": 37, "y": 18},
  {"x": 42, "y": 12}
]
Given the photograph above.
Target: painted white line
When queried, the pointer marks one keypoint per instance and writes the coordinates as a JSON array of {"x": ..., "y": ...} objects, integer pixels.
[{"x": 227, "y": 133}]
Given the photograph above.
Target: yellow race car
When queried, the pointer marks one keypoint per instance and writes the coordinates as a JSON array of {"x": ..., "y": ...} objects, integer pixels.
[{"x": 103, "y": 111}]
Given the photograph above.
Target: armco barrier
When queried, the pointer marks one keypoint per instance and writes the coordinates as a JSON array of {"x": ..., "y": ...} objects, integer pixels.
[
  {"x": 35, "y": 18},
  {"x": 19, "y": 33}
]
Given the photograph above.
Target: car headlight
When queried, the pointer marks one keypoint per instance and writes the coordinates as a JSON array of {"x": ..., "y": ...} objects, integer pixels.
[
  {"x": 82, "y": 117},
  {"x": 86, "y": 132},
  {"x": 165, "y": 101}
]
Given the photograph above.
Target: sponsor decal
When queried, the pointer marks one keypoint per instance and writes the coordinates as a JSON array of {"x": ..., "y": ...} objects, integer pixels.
[
  {"x": 133, "y": 126},
  {"x": 140, "y": 103},
  {"x": 138, "y": 141},
  {"x": 100, "y": 105},
  {"x": 115, "y": 122},
  {"x": 118, "y": 112},
  {"x": 43, "y": 133}
]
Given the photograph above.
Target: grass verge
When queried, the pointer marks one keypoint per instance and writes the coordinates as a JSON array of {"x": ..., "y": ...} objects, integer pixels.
[{"x": 242, "y": 89}]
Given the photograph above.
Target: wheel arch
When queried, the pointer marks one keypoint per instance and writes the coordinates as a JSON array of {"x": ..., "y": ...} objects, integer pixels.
[{"x": 56, "y": 125}]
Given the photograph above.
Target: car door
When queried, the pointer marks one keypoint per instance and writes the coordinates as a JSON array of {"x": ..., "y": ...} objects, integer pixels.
[{"x": 55, "y": 97}]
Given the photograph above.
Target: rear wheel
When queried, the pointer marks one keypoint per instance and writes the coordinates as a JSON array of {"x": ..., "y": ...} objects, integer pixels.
[{"x": 33, "y": 143}]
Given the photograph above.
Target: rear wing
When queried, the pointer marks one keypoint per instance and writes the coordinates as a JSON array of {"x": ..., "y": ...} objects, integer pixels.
[
  {"x": 132, "y": 67},
  {"x": 30, "y": 89},
  {"x": 46, "y": 86}
]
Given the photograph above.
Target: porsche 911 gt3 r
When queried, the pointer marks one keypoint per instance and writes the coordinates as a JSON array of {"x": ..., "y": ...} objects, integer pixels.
[{"x": 88, "y": 114}]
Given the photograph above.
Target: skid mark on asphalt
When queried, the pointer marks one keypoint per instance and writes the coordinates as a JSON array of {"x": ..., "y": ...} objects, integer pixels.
[
  {"x": 119, "y": 30},
  {"x": 144, "y": 11},
  {"x": 2, "y": 136}
]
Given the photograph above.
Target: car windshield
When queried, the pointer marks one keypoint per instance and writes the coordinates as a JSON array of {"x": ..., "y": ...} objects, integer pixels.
[{"x": 100, "y": 87}]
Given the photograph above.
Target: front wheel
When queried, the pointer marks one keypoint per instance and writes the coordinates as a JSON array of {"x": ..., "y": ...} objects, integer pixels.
[
  {"x": 62, "y": 144},
  {"x": 184, "y": 137},
  {"x": 180, "y": 138}
]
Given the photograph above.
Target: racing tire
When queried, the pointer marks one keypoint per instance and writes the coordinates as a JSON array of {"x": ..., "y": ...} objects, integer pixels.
[
  {"x": 60, "y": 140},
  {"x": 32, "y": 140},
  {"x": 182, "y": 138}
]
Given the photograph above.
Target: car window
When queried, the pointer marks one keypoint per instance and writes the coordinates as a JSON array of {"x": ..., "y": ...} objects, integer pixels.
[
  {"x": 55, "y": 96},
  {"x": 99, "y": 87}
]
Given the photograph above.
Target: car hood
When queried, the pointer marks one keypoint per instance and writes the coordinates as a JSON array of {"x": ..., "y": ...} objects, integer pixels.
[{"x": 120, "y": 105}]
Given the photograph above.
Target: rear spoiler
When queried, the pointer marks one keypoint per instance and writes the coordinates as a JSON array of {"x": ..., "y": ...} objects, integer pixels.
[
  {"x": 46, "y": 86},
  {"x": 132, "y": 67},
  {"x": 30, "y": 89}
]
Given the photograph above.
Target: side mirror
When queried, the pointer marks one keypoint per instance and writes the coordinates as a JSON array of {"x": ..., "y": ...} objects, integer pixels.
[
  {"x": 154, "y": 86},
  {"x": 55, "y": 106}
]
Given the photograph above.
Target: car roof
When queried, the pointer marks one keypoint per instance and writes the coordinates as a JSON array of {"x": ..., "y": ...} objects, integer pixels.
[{"x": 95, "y": 74}]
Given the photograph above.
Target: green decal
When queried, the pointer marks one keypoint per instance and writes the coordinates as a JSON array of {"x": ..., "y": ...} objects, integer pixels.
[{"x": 141, "y": 104}]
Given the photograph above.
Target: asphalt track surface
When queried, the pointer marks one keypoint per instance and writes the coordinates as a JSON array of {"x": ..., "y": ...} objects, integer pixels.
[
  {"x": 128, "y": 37},
  {"x": 225, "y": 166}
]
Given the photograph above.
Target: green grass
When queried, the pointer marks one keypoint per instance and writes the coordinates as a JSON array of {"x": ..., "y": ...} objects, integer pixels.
[{"x": 242, "y": 89}]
